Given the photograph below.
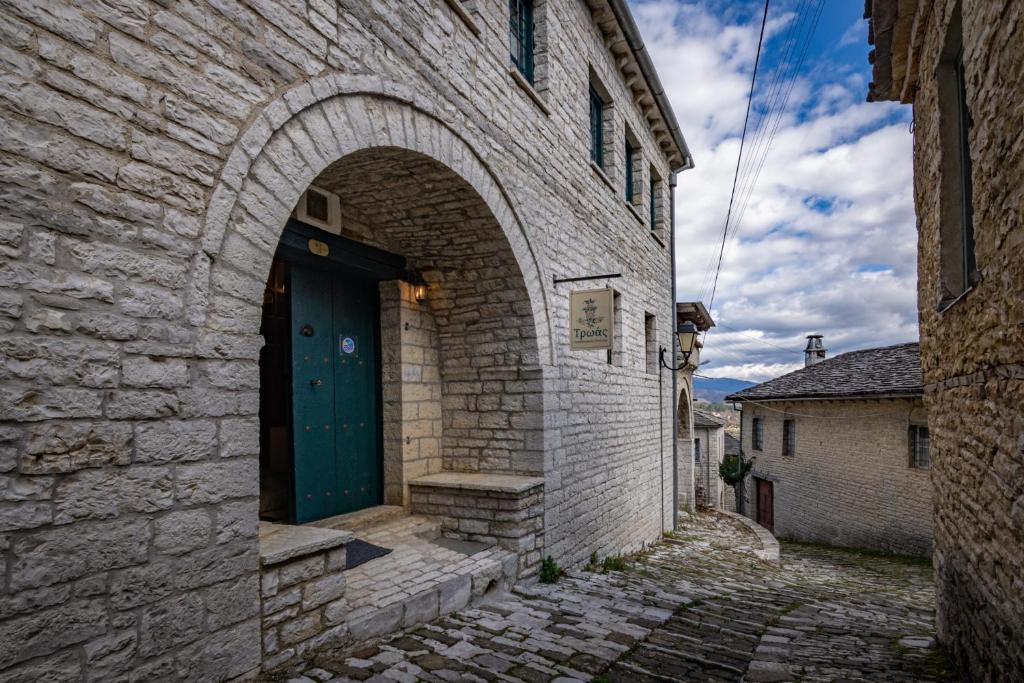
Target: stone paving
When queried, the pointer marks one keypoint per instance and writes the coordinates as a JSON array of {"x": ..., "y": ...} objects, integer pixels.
[{"x": 699, "y": 606}]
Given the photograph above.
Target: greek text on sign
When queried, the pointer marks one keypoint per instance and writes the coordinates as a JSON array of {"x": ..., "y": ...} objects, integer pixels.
[{"x": 591, "y": 319}]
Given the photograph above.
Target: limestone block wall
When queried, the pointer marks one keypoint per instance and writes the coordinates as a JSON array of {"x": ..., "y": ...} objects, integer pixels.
[
  {"x": 974, "y": 395},
  {"x": 849, "y": 483},
  {"x": 411, "y": 389},
  {"x": 493, "y": 509},
  {"x": 302, "y": 605},
  {"x": 712, "y": 443},
  {"x": 151, "y": 154}
]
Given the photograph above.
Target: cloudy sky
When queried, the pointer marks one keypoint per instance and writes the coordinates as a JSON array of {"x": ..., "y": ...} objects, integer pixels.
[{"x": 825, "y": 240}]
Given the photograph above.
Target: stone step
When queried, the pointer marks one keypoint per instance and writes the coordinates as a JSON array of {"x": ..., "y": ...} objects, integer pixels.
[{"x": 361, "y": 520}]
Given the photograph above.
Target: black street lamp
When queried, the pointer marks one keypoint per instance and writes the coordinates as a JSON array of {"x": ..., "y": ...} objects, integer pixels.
[{"x": 686, "y": 335}]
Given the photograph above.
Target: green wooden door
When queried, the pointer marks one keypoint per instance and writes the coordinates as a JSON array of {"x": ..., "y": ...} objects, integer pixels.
[{"x": 335, "y": 388}]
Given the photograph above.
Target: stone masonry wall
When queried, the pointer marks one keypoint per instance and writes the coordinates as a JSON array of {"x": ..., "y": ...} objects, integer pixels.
[
  {"x": 302, "y": 605},
  {"x": 849, "y": 483},
  {"x": 150, "y": 155},
  {"x": 412, "y": 391},
  {"x": 513, "y": 520},
  {"x": 974, "y": 393}
]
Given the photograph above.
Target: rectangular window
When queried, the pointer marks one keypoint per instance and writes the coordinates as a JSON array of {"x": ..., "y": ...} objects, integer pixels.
[
  {"x": 788, "y": 437},
  {"x": 696, "y": 450},
  {"x": 919, "y": 439},
  {"x": 520, "y": 33},
  {"x": 651, "y": 343},
  {"x": 629, "y": 170},
  {"x": 957, "y": 263},
  {"x": 966, "y": 189},
  {"x": 596, "y": 128},
  {"x": 653, "y": 198},
  {"x": 758, "y": 434}
]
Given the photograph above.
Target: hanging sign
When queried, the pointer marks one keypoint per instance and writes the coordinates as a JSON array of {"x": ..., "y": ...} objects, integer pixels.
[{"x": 591, "y": 319}]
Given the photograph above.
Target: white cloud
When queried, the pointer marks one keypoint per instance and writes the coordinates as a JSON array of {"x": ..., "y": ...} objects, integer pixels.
[{"x": 827, "y": 241}]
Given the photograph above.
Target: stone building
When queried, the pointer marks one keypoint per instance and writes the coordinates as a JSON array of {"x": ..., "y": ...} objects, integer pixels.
[
  {"x": 288, "y": 260},
  {"x": 708, "y": 452},
  {"x": 841, "y": 452},
  {"x": 961, "y": 66}
]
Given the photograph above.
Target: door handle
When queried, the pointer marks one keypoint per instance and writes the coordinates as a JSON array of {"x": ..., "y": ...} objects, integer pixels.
[{"x": 315, "y": 382}]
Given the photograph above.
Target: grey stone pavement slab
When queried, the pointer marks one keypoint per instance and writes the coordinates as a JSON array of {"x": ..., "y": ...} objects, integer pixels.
[{"x": 699, "y": 606}]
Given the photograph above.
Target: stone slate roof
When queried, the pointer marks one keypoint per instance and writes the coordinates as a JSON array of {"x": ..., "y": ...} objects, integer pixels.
[
  {"x": 702, "y": 419},
  {"x": 732, "y": 444},
  {"x": 887, "y": 371}
]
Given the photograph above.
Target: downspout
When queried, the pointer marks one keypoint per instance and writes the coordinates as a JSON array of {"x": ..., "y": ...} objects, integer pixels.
[{"x": 675, "y": 360}]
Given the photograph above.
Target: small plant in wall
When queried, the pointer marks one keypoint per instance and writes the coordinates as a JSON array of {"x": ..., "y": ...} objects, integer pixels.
[{"x": 550, "y": 572}]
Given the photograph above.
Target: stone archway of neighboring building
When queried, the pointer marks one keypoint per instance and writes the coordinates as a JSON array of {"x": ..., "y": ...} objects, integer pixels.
[{"x": 684, "y": 445}]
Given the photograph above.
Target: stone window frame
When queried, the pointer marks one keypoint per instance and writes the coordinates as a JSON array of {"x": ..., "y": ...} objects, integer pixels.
[
  {"x": 632, "y": 168},
  {"x": 958, "y": 271},
  {"x": 789, "y": 437},
  {"x": 604, "y": 156},
  {"x": 658, "y": 205},
  {"x": 918, "y": 457},
  {"x": 757, "y": 434},
  {"x": 522, "y": 37}
]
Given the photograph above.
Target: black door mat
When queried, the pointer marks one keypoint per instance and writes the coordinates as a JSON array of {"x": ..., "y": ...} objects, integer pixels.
[{"x": 358, "y": 552}]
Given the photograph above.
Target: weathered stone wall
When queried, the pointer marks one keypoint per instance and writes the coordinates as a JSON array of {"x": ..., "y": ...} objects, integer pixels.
[
  {"x": 508, "y": 514},
  {"x": 849, "y": 483},
  {"x": 712, "y": 443},
  {"x": 972, "y": 354},
  {"x": 302, "y": 605},
  {"x": 150, "y": 156},
  {"x": 411, "y": 391}
]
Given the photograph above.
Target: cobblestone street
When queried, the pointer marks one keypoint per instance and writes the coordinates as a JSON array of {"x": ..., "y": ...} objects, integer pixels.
[{"x": 698, "y": 607}]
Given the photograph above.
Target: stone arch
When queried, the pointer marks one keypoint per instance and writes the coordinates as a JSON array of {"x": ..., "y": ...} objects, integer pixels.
[
  {"x": 684, "y": 448},
  {"x": 285, "y": 148}
]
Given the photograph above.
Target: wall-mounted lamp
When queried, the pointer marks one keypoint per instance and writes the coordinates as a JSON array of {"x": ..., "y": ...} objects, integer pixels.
[
  {"x": 419, "y": 286},
  {"x": 686, "y": 337}
]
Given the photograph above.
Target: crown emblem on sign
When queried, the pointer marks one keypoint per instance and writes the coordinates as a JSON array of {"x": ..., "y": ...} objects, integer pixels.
[{"x": 590, "y": 317}]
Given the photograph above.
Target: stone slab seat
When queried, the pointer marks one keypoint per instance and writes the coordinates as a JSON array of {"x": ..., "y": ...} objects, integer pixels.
[
  {"x": 502, "y": 509},
  {"x": 480, "y": 481},
  {"x": 284, "y": 542}
]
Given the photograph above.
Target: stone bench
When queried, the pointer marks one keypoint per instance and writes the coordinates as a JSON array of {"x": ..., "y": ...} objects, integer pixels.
[
  {"x": 302, "y": 591},
  {"x": 501, "y": 509}
]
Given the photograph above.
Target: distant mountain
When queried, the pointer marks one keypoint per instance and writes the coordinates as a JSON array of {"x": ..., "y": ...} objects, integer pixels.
[{"x": 714, "y": 389}]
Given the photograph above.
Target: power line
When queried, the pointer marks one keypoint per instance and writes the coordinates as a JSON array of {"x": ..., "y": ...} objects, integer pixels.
[{"x": 739, "y": 158}]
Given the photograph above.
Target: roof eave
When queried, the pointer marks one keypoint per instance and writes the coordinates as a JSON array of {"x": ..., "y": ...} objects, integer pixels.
[
  {"x": 620, "y": 8},
  {"x": 909, "y": 393}
]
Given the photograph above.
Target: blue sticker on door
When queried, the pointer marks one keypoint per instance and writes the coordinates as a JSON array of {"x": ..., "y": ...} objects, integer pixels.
[{"x": 348, "y": 345}]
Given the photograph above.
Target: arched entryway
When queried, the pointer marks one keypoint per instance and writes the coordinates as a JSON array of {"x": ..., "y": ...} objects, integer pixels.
[
  {"x": 409, "y": 186},
  {"x": 402, "y": 335},
  {"x": 685, "y": 450}
]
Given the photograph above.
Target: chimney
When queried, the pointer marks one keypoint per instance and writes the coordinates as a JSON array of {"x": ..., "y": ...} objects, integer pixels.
[{"x": 815, "y": 351}]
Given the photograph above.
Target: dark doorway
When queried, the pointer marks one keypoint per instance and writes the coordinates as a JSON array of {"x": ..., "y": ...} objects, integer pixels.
[
  {"x": 766, "y": 504},
  {"x": 320, "y": 396}
]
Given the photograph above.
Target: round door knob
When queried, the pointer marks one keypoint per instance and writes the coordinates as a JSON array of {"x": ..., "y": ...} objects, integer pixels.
[{"x": 315, "y": 382}]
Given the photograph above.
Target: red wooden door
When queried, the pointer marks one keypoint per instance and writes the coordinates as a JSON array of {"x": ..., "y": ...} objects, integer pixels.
[{"x": 765, "y": 505}]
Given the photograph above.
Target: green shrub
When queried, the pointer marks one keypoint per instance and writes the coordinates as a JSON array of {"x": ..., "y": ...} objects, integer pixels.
[
  {"x": 550, "y": 572},
  {"x": 615, "y": 564}
]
